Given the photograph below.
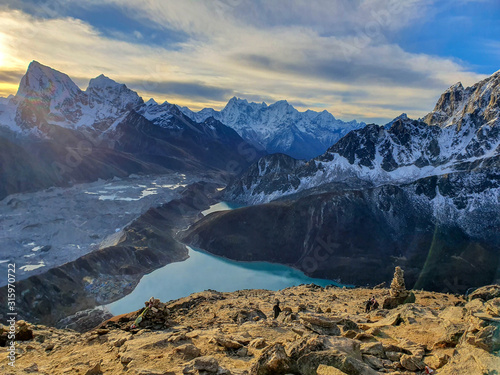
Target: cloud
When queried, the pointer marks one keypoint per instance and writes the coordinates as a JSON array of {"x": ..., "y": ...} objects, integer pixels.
[
  {"x": 339, "y": 55},
  {"x": 189, "y": 90},
  {"x": 10, "y": 75}
]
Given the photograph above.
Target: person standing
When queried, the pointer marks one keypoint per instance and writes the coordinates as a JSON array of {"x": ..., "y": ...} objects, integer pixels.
[{"x": 276, "y": 309}]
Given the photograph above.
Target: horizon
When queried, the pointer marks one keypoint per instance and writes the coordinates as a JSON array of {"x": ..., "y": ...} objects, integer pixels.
[{"x": 367, "y": 60}]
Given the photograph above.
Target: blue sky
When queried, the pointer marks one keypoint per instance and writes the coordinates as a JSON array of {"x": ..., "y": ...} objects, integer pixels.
[{"x": 360, "y": 59}]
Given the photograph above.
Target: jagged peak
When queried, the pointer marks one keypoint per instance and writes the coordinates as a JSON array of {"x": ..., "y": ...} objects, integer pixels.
[
  {"x": 236, "y": 100},
  {"x": 44, "y": 80},
  {"x": 101, "y": 82},
  {"x": 457, "y": 86}
]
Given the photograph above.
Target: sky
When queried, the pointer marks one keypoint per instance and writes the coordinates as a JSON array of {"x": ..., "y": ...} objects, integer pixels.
[{"x": 368, "y": 60}]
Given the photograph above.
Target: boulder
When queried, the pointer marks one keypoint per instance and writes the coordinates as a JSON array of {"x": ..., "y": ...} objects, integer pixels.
[
  {"x": 247, "y": 315},
  {"x": 273, "y": 361},
  {"x": 412, "y": 362},
  {"x": 307, "y": 364},
  {"x": 493, "y": 307},
  {"x": 227, "y": 342},
  {"x": 487, "y": 338},
  {"x": 374, "y": 362},
  {"x": 373, "y": 348},
  {"x": 451, "y": 336},
  {"x": 207, "y": 364},
  {"x": 393, "y": 302},
  {"x": 95, "y": 370},
  {"x": 187, "y": 351},
  {"x": 258, "y": 343},
  {"x": 320, "y": 324},
  {"x": 306, "y": 345},
  {"x": 24, "y": 332},
  {"x": 486, "y": 293}
]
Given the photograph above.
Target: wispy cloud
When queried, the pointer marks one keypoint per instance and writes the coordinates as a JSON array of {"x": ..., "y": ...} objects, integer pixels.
[{"x": 339, "y": 55}]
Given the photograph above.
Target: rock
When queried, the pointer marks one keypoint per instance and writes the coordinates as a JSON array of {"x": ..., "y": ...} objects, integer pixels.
[
  {"x": 187, "y": 351},
  {"x": 306, "y": 345},
  {"x": 32, "y": 368},
  {"x": 350, "y": 334},
  {"x": 125, "y": 360},
  {"x": 319, "y": 310},
  {"x": 208, "y": 364},
  {"x": 249, "y": 315},
  {"x": 373, "y": 348},
  {"x": 301, "y": 307},
  {"x": 258, "y": 343},
  {"x": 493, "y": 307},
  {"x": 412, "y": 362},
  {"x": 328, "y": 370},
  {"x": 487, "y": 338},
  {"x": 437, "y": 361},
  {"x": 365, "y": 337},
  {"x": 242, "y": 352},
  {"x": 486, "y": 293},
  {"x": 24, "y": 332},
  {"x": 152, "y": 372},
  {"x": 320, "y": 324},
  {"x": 227, "y": 342},
  {"x": 348, "y": 324},
  {"x": 85, "y": 320},
  {"x": 394, "y": 356},
  {"x": 307, "y": 364},
  {"x": 273, "y": 361},
  {"x": 374, "y": 331},
  {"x": 95, "y": 370},
  {"x": 451, "y": 337},
  {"x": 372, "y": 361},
  {"x": 379, "y": 286},
  {"x": 393, "y": 302},
  {"x": 118, "y": 343}
]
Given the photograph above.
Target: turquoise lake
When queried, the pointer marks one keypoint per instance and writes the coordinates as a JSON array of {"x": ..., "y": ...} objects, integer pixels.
[{"x": 202, "y": 271}]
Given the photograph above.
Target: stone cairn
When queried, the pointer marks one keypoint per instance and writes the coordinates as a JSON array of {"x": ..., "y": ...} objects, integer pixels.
[
  {"x": 398, "y": 293},
  {"x": 398, "y": 288}
]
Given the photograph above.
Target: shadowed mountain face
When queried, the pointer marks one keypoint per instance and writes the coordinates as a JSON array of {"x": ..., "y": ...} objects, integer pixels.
[
  {"x": 359, "y": 236},
  {"x": 53, "y": 133}
]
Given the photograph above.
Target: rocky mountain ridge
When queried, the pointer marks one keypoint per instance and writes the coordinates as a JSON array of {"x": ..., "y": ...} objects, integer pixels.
[{"x": 460, "y": 134}]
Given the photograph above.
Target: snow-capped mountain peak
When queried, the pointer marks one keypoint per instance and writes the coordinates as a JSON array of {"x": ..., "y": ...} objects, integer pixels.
[
  {"x": 103, "y": 90},
  {"x": 46, "y": 83}
]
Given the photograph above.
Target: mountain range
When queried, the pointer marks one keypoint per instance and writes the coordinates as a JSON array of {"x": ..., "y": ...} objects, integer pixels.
[
  {"x": 53, "y": 133},
  {"x": 279, "y": 127},
  {"x": 462, "y": 133}
]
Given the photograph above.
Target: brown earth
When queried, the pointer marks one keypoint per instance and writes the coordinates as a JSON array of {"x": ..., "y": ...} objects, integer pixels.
[{"x": 320, "y": 331}]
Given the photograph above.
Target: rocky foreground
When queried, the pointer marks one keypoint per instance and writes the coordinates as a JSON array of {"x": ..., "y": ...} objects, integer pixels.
[{"x": 320, "y": 331}]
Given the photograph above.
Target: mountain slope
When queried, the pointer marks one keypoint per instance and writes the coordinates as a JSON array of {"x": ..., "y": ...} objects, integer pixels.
[
  {"x": 279, "y": 127},
  {"x": 468, "y": 132},
  {"x": 437, "y": 228}
]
